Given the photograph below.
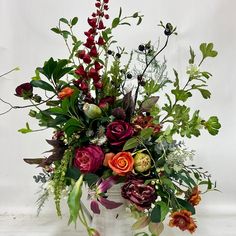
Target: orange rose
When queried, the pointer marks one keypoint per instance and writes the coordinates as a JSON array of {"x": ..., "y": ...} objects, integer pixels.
[
  {"x": 65, "y": 93},
  {"x": 121, "y": 163},
  {"x": 108, "y": 156}
]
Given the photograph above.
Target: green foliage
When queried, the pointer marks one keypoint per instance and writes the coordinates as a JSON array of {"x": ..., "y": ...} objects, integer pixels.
[
  {"x": 59, "y": 180},
  {"x": 74, "y": 200},
  {"x": 25, "y": 130},
  {"x": 207, "y": 50},
  {"x": 212, "y": 125}
]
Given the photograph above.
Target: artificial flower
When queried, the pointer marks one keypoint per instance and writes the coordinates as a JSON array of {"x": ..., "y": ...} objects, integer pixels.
[
  {"x": 118, "y": 132},
  {"x": 142, "y": 162},
  {"x": 92, "y": 111},
  {"x": 88, "y": 159},
  {"x": 139, "y": 193},
  {"x": 65, "y": 93},
  {"x": 122, "y": 163},
  {"x": 24, "y": 90},
  {"x": 194, "y": 198},
  {"x": 183, "y": 220}
]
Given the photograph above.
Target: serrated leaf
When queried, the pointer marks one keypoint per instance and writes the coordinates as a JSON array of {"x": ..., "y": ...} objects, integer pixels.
[
  {"x": 181, "y": 95},
  {"x": 131, "y": 143},
  {"x": 213, "y": 125},
  {"x": 207, "y": 50},
  {"x": 205, "y": 93}
]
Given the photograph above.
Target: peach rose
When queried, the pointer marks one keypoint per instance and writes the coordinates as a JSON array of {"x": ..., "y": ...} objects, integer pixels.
[
  {"x": 108, "y": 156},
  {"x": 66, "y": 92},
  {"x": 121, "y": 163}
]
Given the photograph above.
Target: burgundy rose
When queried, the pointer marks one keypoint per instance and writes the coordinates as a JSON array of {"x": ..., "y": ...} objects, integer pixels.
[
  {"x": 118, "y": 132},
  {"x": 24, "y": 90},
  {"x": 142, "y": 195},
  {"x": 88, "y": 159}
]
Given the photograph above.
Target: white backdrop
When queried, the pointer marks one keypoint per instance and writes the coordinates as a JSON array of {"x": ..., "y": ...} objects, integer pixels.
[{"x": 26, "y": 41}]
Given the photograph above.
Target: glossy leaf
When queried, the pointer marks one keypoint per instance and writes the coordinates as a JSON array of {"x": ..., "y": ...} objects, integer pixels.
[
  {"x": 156, "y": 214},
  {"x": 43, "y": 85},
  {"x": 131, "y": 143}
]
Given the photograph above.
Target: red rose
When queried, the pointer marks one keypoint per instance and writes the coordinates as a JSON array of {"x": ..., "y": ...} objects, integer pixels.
[
  {"x": 118, "y": 132},
  {"x": 24, "y": 90},
  {"x": 88, "y": 159},
  {"x": 109, "y": 100}
]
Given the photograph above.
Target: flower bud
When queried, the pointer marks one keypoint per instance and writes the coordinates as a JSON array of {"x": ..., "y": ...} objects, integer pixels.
[
  {"x": 92, "y": 111},
  {"x": 32, "y": 113},
  {"x": 142, "y": 162}
]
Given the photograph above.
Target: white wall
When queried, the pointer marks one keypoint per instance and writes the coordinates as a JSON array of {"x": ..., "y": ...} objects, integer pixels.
[{"x": 26, "y": 41}]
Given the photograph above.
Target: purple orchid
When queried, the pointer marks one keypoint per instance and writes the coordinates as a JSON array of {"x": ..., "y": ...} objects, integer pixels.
[{"x": 98, "y": 195}]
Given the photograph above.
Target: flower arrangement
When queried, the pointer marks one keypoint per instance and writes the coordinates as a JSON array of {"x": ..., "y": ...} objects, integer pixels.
[{"x": 110, "y": 127}]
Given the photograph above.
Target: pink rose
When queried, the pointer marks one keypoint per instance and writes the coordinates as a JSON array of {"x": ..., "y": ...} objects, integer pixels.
[
  {"x": 88, "y": 159},
  {"x": 118, "y": 132}
]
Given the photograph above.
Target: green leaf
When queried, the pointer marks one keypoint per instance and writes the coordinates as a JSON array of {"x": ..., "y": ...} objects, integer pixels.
[
  {"x": 48, "y": 68},
  {"x": 42, "y": 84},
  {"x": 205, "y": 93},
  {"x": 91, "y": 179},
  {"x": 74, "y": 21},
  {"x": 212, "y": 125},
  {"x": 164, "y": 209},
  {"x": 135, "y": 15},
  {"x": 72, "y": 126},
  {"x": 115, "y": 22},
  {"x": 186, "y": 205},
  {"x": 131, "y": 143},
  {"x": 25, "y": 130},
  {"x": 192, "y": 54},
  {"x": 141, "y": 223},
  {"x": 74, "y": 200},
  {"x": 156, "y": 228},
  {"x": 181, "y": 95},
  {"x": 37, "y": 75},
  {"x": 139, "y": 20},
  {"x": 156, "y": 214},
  {"x": 56, "y": 30},
  {"x": 207, "y": 50},
  {"x": 64, "y": 20},
  {"x": 146, "y": 133},
  {"x": 147, "y": 104}
]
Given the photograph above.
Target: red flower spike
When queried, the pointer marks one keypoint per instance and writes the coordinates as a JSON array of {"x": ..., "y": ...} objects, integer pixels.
[
  {"x": 84, "y": 86},
  {"x": 106, "y": 1},
  {"x": 94, "y": 14},
  {"x": 98, "y": 4},
  {"x": 81, "y": 54},
  {"x": 100, "y": 41},
  {"x": 106, "y": 7},
  {"x": 90, "y": 32},
  {"x": 98, "y": 85},
  {"x": 90, "y": 39},
  {"x": 93, "y": 52},
  {"x": 87, "y": 59},
  {"x": 94, "y": 75},
  {"x": 80, "y": 71},
  {"x": 97, "y": 66},
  {"x": 92, "y": 22},
  {"x": 107, "y": 16},
  {"x": 101, "y": 25}
]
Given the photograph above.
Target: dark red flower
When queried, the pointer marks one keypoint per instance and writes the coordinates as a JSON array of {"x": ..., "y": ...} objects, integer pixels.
[
  {"x": 88, "y": 159},
  {"x": 83, "y": 86},
  {"x": 118, "y": 132},
  {"x": 93, "y": 52},
  {"x": 80, "y": 71},
  {"x": 139, "y": 193},
  {"x": 87, "y": 59},
  {"x": 98, "y": 4},
  {"x": 92, "y": 22},
  {"x": 106, "y": 7},
  {"x": 100, "y": 41},
  {"x": 97, "y": 66},
  {"x": 90, "y": 32},
  {"x": 24, "y": 90},
  {"x": 101, "y": 25},
  {"x": 98, "y": 85},
  {"x": 93, "y": 74},
  {"x": 106, "y": 1},
  {"x": 81, "y": 54},
  {"x": 106, "y": 101},
  {"x": 107, "y": 16}
]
